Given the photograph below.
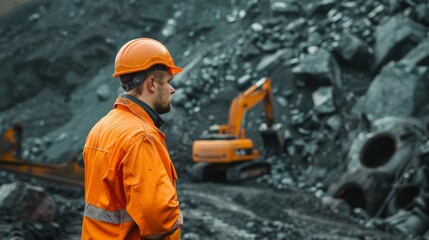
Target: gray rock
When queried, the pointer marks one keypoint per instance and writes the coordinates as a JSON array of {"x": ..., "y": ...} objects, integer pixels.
[
  {"x": 282, "y": 235},
  {"x": 407, "y": 84},
  {"x": 286, "y": 8},
  {"x": 422, "y": 13},
  {"x": 188, "y": 105},
  {"x": 320, "y": 7},
  {"x": 414, "y": 221},
  {"x": 257, "y": 27},
  {"x": 34, "y": 17},
  {"x": 269, "y": 45},
  {"x": 322, "y": 99},
  {"x": 319, "y": 68},
  {"x": 244, "y": 80},
  {"x": 334, "y": 122},
  {"x": 27, "y": 201},
  {"x": 179, "y": 97},
  {"x": 419, "y": 55},
  {"x": 297, "y": 119},
  {"x": 249, "y": 49},
  {"x": 191, "y": 236},
  {"x": 281, "y": 100},
  {"x": 103, "y": 92},
  {"x": 297, "y": 25},
  {"x": 354, "y": 50},
  {"x": 337, "y": 205},
  {"x": 394, "y": 38},
  {"x": 273, "y": 59}
]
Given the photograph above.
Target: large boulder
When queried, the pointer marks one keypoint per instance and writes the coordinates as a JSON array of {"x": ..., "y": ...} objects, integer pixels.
[
  {"x": 399, "y": 90},
  {"x": 319, "y": 68},
  {"x": 27, "y": 202},
  {"x": 395, "y": 38},
  {"x": 354, "y": 51}
]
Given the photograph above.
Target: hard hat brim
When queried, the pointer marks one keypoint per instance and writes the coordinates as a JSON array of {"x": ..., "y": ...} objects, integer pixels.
[{"x": 175, "y": 70}]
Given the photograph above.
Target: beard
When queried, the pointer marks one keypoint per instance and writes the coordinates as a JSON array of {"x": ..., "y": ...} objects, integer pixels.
[{"x": 162, "y": 107}]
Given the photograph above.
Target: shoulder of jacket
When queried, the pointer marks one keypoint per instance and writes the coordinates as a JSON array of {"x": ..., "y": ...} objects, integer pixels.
[
  {"x": 138, "y": 129},
  {"x": 124, "y": 127}
]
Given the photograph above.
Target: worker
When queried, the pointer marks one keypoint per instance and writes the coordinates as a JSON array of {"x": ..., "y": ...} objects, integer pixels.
[{"x": 130, "y": 181}]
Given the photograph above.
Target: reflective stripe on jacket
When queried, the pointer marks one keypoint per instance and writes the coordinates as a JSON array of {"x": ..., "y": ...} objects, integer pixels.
[{"x": 129, "y": 178}]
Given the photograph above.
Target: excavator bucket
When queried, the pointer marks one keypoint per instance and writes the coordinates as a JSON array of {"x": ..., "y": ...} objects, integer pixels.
[{"x": 272, "y": 137}]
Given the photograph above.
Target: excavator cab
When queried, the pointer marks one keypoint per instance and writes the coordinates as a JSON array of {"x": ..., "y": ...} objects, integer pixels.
[{"x": 225, "y": 153}]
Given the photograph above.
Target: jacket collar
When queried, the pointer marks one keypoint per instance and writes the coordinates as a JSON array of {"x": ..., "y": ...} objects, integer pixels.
[{"x": 139, "y": 108}]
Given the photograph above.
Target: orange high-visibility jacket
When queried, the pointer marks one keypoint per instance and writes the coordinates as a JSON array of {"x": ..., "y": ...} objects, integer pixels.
[{"x": 130, "y": 180}]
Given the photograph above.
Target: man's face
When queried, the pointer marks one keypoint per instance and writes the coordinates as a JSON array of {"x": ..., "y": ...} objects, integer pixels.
[{"x": 163, "y": 92}]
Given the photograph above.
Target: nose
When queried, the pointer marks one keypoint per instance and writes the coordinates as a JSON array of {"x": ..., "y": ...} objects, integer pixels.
[{"x": 172, "y": 90}]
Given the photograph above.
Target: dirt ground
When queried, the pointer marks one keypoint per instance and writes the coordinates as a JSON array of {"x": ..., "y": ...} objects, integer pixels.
[{"x": 250, "y": 211}]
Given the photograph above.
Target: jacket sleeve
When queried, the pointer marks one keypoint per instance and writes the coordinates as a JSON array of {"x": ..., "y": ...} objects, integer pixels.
[{"x": 151, "y": 196}]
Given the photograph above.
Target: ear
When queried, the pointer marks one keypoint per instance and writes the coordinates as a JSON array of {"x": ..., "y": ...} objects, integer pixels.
[{"x": 150, "y": 84}]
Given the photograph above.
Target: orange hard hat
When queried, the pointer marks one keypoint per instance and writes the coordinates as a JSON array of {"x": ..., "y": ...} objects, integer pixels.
[{"x": 141, "y": 54}]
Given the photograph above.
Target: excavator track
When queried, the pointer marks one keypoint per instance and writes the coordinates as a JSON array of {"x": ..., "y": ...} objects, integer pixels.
[
  {"x": 230, "y": 172},
  {"x": 208, "y": 172},
  {"x": 247, "y": 170}
]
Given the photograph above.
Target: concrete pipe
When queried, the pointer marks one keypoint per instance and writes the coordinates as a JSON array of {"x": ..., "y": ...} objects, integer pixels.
[
  {"x": 408, "y": 192},
  {"x": 386, "y": 150},
  {"x": 403, "y": 198},
  {"x": 362, "y": 189}
]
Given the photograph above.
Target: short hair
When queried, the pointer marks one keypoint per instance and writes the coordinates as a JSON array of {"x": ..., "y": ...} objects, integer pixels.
[{"x": 132, "y": 80}]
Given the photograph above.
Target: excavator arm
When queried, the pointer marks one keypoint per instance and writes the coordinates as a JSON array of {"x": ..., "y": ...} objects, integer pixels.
[
  {"x": 69, "y": 172},
  {"x": 260, "y": 91}
]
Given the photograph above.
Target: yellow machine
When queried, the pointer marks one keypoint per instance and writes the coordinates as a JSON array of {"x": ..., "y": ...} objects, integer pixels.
[
  {"x": 70, "y": 172},
  {"x": 226, "y": 153}
]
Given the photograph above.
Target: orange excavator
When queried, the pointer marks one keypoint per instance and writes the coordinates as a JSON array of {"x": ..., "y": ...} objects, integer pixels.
[
  {"x": 70, "y": 172},
  {"x": 225, "y": 153}
]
